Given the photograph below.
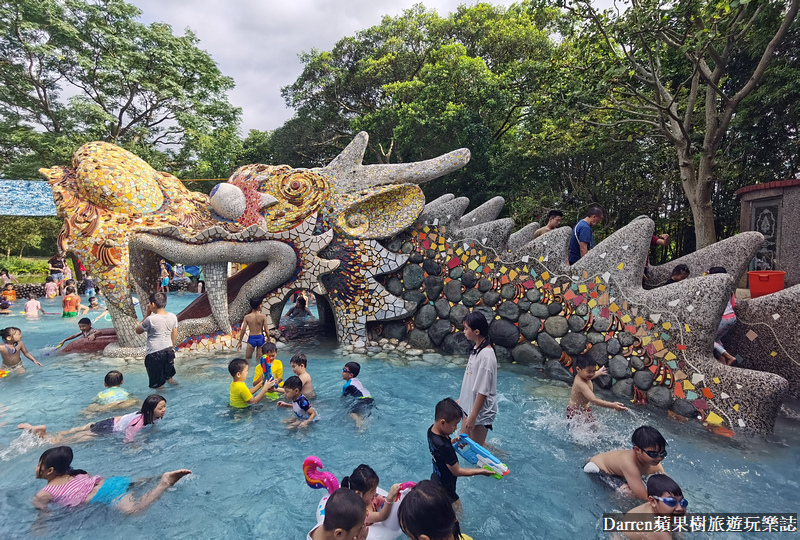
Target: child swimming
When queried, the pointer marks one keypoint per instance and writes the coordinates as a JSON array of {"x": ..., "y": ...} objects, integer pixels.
[
  {"x": 304, "y": 412},
  {"x": 11, "y": 348},
  {"x": 73, "y": 487},
  {"x": 364, "y": 482},
  {"x": 153, "y": 408},
  {"x": 113, "y": 397},
  {"x": 582, "y": 394}
]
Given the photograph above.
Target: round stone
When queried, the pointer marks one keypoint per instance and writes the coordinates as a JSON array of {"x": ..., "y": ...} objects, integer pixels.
[
  {"x": 456, "y": 343},
  {"x": 548, "y": 345},
  {"x": 604, "y": 381},
  {"x": 554, "y": 309},
  {"x": 595, "y": 338},
  {"x": 539, "y": 310},
  {"x": 533, "y": 295},
  {"x": 643, "y": 380},
  {"x": 582, "y": 310},
  {"x": 508, "y": 310},
  {"x": 425, "y": 317},
  {"x": 433, "y": 287},
  {"x": 557, "y": 371},
  {"x": 438, "y": 330},
  {"x": 508, "y": 291},
  {"x": 394, "y": 286},
  {"x": 484, "y": 285},
  {"x": 416, "y": 258},
  {"x": 599, "y": 354},
  {"x": 394, "y": 245},
  {"x": 431, "y": 267},
  {"x": 452, "y": 291},
  {"x": 430, "y": 253},
  {"x": 442, "y": 308},
  {"x": 469, "y": 280},
  {"x": 625, "y": 339},
  {"x": 529, "y": 326},
  {"x": 523, "y": 305},
  {"x": 601, "y": 324},
  {"x": 573, "y": 343},
  {"x": 504, "y": 333},
  {"x": 488, "y": 313},
  {"x": 456, "y": 272},
  {"x": 618, "y": 367},
  {"x": 556, "y": 326},
  {"x": 503, "y": 355},
  {"x": 457, "y": 314},
  {"x": 660, "y": 396},
  {"x": 613, "y": 346},
  {"x": 576, "y": 323},
  {"x": 637, "y": 363},
  {"x": 415, "y": 297},
  {"x": 412, "y": 276},
  {"x": 394, "y": 330},
  {"x": 418, "y": 339},
  {"x": 407, "y": 247},
  {"x": 490, "y": 298},
  {"x": 683, "y": 408},
  {"x": 623, "y": 388},
  {"x": 471, "y": 297},
  {"x": 527, "y": 354}
]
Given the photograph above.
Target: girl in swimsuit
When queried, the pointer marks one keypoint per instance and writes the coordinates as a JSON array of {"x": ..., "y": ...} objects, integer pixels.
[
  {"x": 153, "y": 408},
  {"x": 73, "y": 487},
  {"x": 11, "y": 348}
]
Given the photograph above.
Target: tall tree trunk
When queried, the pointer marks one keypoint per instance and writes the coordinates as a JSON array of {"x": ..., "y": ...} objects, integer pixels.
[
  {"x": 76, "y": 264},
  {"x": 697, "y": 183}
]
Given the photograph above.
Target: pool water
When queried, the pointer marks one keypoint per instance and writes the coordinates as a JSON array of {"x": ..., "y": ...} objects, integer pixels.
[{"x": 247, "y": 480}]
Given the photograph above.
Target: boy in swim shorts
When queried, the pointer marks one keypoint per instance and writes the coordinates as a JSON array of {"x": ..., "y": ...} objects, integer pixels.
[
  {"x": 623, "y": 469},
  {"x": 11, "y": 348},
  {"x": 583, "y": 390},
  {"x": 664, "y": 498},
  {"x": 164, "y": 278},
  {"x": 256, "y": 323}
]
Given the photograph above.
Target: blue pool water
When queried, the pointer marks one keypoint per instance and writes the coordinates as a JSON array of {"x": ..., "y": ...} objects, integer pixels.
[{"x": 248, "y": 483}]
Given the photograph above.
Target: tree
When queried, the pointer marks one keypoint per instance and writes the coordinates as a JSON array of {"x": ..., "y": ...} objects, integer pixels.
[
  {"x": 73, "y": 71},
  {"x": 20, "y": 233},
  {"x": 668, "y": 65}
]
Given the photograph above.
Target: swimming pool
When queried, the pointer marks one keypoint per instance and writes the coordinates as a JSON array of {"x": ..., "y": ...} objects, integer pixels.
[{"x": 248, "y": 481}]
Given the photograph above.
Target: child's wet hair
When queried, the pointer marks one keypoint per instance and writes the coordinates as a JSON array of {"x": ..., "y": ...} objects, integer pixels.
[
  {"x": 5, "y": 333},
  {"x": 3, "y": 271},
  {"x": 362, "y": 480},
  {"x": 113, "y": 378},
  {"x": 584, "y": 361},
  {"x": 32, "y": 296},
  {"x": 9, "y": 285},
  {"x": 149, "y": 405},
  {"x": 70, "y": 290},
  {"x": 159, "y": 299},
  {"x": 680, "y": 269},
  {"x": 255, "y": 303},
  {"x": 293, "y": 383},
  {"x": 648, "y": 437},
  {"x": 237, "y": 365},
  {"x": 301, "y": 301},
  {"x": 92, "y": 298},
  {"x": 70, "y": 283},
  {"x": 60, "y": 459},
  {"x": 49, "y": 279},
  {"x": 448, "y": 410},
  {"x": 344, "y": 510},
  {"x": 4, "y": 305},
  {"x": 85, "y": 320},
  {"x": 354, "y": 368},
  {"x": 427, "y": 509},
  {"x": 269, "y": 347},
  {"x": 658, "y": 484},
  {"x": 299, "y": 359}
]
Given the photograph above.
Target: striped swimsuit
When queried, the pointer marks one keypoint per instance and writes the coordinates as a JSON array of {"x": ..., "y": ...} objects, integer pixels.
[{"x": 74, "y": 492}]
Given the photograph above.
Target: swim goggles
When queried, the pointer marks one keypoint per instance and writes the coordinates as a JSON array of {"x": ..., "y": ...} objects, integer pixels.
[
  {"x": 672, "y": 502},
  {"x": 345, "y": 370},
  {"x": 654, "y": 455}
]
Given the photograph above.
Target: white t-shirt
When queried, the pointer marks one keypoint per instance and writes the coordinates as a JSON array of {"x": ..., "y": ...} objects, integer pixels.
[
  {"x": 159, "y": 331},
  {"x": 480, "y": 377},
  {"x": 311, "y": 531}
]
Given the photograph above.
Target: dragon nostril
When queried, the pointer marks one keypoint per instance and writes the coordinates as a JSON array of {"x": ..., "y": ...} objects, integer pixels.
[{"x": 295, "y": 185}]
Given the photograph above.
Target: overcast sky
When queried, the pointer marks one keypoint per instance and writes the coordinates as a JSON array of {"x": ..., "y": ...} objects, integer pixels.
[{"x": 257, "y": 41}]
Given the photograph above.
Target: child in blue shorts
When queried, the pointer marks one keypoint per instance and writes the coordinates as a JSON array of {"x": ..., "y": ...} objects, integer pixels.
[
  {"x": 304, "y": 412},
  {"x": 362, "y": 406}
]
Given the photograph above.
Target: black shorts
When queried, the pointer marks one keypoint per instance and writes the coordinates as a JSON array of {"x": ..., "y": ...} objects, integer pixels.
[
  {"x": 104, "y": 427},
  {"x": 450, "y": 489},
  {"x": 160, "y": 366},
  {"x": 362, "y": 406}
]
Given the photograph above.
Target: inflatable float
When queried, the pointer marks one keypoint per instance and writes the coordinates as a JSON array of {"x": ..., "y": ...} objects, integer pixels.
[{"x": 317, "y": 479}]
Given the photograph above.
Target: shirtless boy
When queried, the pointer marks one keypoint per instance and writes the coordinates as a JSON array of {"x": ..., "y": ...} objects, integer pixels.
[
  {"x": 299, "y": 363},
  {"x": 11, "y": 348},
  {"x": 624, "y": 468},
  {"x": 256, "y": 323},
  {"x": 583, "y": 390},
  {"x": 664, "y": 498}
]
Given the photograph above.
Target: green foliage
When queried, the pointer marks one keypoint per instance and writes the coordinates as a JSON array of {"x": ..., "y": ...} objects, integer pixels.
[
  {"x": 18, "y": 266},
  {"x": 73, "y": 71},
  {"x": 20, "y": 234}
]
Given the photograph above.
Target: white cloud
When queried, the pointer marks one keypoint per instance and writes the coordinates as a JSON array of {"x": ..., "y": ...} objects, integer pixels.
[{"x": 257, "y": 42}]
